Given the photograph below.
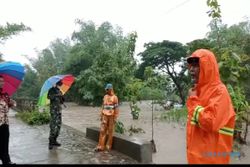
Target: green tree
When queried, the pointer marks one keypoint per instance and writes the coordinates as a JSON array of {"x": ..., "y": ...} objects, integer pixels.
[
  {"x": 154, "y": 85},
  {"x": 11, "y": 29},
  {"x": 112, "y": 61},
  {"x": 167, "y": 56},
  {"x": 198, "y": 44},
  {"x": 1, "y": 57},
  {"x": 51, "y": 60},
  {"x": 29, "y": 88},
  {"x": 132, "y": 94},
  {"x": 232, "y": 53}
]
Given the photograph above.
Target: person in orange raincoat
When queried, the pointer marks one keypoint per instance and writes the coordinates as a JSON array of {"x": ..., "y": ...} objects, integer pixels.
[
  {"x": 211, "y": 116},
  {"x": 109, "y": 114}
]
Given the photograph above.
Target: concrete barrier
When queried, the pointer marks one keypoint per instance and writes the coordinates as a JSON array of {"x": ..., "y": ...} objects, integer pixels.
[{"x": 136, "y": 148}]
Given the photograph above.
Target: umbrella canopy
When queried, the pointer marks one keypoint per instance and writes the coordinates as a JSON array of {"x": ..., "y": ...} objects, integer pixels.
[
  {"x": 66, "y": 80},
  {"x": 13, "y": 74}
]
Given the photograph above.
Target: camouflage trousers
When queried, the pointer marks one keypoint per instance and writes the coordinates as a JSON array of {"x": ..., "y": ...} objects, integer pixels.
[{"x": 55, "y": 122}]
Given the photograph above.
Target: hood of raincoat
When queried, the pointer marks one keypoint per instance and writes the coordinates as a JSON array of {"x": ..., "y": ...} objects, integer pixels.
[
  {"x": 209, "y": 76},
  {"x": 209, "y": 71}
]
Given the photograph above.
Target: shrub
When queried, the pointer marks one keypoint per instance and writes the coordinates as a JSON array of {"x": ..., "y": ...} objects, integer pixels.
[
  {"x": 119, "y": 127},
  {"x": 34, "y": 117}
]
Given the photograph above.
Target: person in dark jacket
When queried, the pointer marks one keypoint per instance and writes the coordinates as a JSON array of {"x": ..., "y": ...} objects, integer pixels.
[{"x": 56, "y": 100}]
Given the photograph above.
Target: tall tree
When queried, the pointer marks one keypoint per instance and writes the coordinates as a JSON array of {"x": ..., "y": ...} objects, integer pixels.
[
  {"x": 198, "y": 44},
  {"x": 112, "y": 62},
  {"x": 233, "y": 62},
  {"x": 29, "y": 87},
  {"x": 51, "y": 60},
  {"x": 168, "y": 57}
]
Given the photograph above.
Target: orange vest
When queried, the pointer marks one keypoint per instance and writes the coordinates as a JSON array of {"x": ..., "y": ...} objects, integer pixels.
[
  {"x": 211, "y": 117},
  {"x": 110, "y": 102}
]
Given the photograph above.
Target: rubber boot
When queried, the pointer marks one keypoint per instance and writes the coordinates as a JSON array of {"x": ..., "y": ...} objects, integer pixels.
[
  {"x": 50, "y": 144},
  {"x": 55, "y": 143}
]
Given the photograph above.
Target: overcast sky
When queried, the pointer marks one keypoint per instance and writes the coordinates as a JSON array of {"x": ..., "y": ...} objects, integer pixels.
[{"x": 153, "y": 20}]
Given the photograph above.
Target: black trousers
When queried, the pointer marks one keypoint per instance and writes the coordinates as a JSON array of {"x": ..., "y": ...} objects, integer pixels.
[{"x": 4, "y": 143}]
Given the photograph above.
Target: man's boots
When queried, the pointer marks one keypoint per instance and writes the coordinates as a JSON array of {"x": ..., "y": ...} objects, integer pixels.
[
  {"x": 50, "y": 144},
  {"x": 55, "y": 143}
]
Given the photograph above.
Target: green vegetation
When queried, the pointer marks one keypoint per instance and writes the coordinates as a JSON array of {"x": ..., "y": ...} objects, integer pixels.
[
  {"x": 34, "y": 117},
  {"x": 175, "y": 115},
  {"x": 119, "y": 127},
  {"x": 96, "y": 55}
]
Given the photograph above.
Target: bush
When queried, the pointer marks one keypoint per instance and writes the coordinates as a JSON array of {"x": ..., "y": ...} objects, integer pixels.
[
  {"x": 119, "y": 127},
  {"x": 135, "y": 110},
  {"x": 132, "y": 129},
  {"x": 34, "y": 117}
]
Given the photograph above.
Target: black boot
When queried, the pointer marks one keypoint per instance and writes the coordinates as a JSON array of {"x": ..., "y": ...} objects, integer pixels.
[
  {"x": 50, "y": 144},
  {"x": 55, "y": 143}
]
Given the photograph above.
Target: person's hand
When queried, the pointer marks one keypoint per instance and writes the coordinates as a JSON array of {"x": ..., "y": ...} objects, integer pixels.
[{"x": 192, "y": 92}]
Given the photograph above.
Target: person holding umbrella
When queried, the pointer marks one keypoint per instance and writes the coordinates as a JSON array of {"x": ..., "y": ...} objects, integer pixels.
[
  {"x": 51, "y": 94},
  {"x": 56, "y": 99},
  {"x": 5, "y": 104},
  {"x": 11, "y": 76},
  {"x": 109, "y": 114}
]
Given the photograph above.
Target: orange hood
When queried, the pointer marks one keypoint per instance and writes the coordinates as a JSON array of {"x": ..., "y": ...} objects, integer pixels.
[{"x": 209, "y": 72}]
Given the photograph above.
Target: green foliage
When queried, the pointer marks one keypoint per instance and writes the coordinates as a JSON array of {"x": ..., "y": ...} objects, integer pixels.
[
  {"x": 133, "y": 89},
  {"x": 1, "y": 57},
  {"x": 232, "y": 54},
  {"x": 34, "y": 117},
  {"x": 10, "y": 30},
  {"x": 154, "y": 85},
  {"x": 233, "y": 62},
  {"x": 239, "y": 101},
  {"x": 135, "y": 110},
  {"x": 198, "y": 44},
  {"x": 175, "y": 115},
  {"x": 165, "y": 56},
  {"x": 133, "y": 129},
  {"x": 29, "y": 87},
  {"x": 132, "y": 94},
  {"x": 51, "y": 60},
  {"x": 119, "y": 127},
  {"x": 113, "y": 63},
  {"x": 215, "y": 11},
  {"x": 242, "y": 110}
]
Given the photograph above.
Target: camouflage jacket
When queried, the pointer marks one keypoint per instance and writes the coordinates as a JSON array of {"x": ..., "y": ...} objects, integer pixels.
[{"x": 55, "y": 96}]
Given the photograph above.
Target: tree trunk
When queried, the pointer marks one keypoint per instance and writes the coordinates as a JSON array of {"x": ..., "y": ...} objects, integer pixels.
[{"x": 179, "y": 88}]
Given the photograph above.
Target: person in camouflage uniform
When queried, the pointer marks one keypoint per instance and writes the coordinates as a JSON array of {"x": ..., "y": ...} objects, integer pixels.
[{"x": 56, "y": 100}]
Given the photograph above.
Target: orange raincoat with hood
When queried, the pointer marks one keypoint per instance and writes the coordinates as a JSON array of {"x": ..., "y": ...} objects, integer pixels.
[{"x": 211, "y": 116}]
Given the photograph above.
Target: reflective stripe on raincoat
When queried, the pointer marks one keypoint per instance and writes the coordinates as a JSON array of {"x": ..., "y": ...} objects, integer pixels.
[
  {"x": 211, "y": 117},
  {"x": 110, "y": 102}
]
